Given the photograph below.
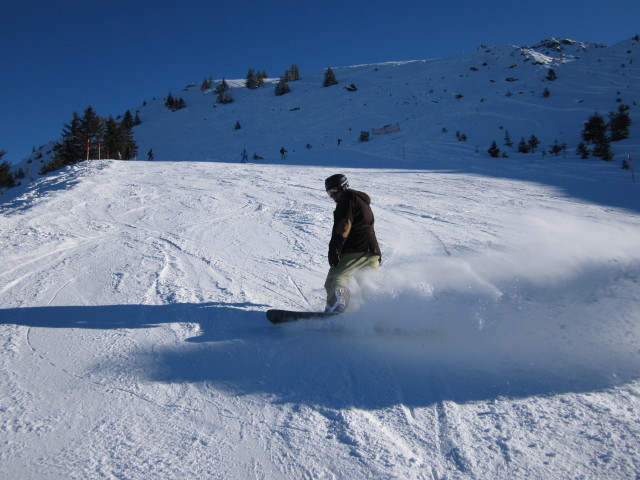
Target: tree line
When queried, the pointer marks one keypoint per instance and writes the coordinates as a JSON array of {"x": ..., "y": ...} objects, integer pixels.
[
  {"x": 6, "y": 178},
  {"x": 254, "y": 79},
  {"x": 596, "y": 135},
  {"x": 90, "y": 137}
]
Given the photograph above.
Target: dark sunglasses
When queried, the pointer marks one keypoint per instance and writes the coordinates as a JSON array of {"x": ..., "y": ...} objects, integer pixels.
[{"x": 333, "y": 191}]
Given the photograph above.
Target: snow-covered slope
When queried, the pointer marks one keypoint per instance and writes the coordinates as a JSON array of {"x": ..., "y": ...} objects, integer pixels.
[
  {"x": 482, "y": 94},
  {"x": 502, "y": 342},
  {"x": 499, "y": 341}
]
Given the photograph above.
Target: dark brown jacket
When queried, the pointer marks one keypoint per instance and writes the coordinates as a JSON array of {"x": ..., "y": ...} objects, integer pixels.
[{"x": 353, "y": 225}]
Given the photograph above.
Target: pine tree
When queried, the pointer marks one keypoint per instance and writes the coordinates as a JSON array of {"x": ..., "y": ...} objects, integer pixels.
[
  {"x": 224, "y": 92},
  {"x": 251, "y": 81},
  {"x": 595, "y": 132},
  {"x": 329, "y": 78},
  {"x": 128, "y": 144},
  {"x": 583, "y": 150},
  {"x": 222, "y": 87},
  {"x": 557, "y": 148},
  {"x": 112, "y": 140},
  {"x": 6, "y": 179},
  {"x": 523, "y": 146},
  {"x": 282, "y": 87},
  {"x": 533, "y": 143},
  {"x": 551, "y": 75},
  {"x": 225, "y": 97},
  {"x": 494, "y": 151},
  {"x": 206, "y": 84},
  {"x": 70, "y": 149},
  {"x": 602, "y": 149},
  {"x": 127, "y": 121},
  {"x": 595, "y": 129},
  {"x": 170, "y": 102},
  {"x": 619, "y": 123},
  {"x": 507, "y": 139},
  {"x": 92, "y": 131},
  {"x": 294, "y": 73},
  {"x": 174, "y": 103}
]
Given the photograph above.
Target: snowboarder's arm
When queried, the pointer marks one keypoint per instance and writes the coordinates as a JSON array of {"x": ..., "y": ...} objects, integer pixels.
[
  {"x": 343, "y": 229},
  {"x": 343, "y": 221},
  {"x": 339, "y": 237}
]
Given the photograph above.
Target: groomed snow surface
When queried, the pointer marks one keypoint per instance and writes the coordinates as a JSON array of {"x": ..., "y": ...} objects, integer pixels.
[{"x": 500, "y": 339}]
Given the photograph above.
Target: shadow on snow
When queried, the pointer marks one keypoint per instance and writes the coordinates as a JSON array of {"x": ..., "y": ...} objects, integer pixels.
[{"x": 237, "y": 352}]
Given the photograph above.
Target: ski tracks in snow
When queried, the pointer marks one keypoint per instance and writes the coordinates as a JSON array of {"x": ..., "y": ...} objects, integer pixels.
[{"x": 139, "y": 267}]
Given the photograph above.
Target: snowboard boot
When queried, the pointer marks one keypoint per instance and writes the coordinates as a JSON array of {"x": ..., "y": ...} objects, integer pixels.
[{"x": 338, "y": 301}]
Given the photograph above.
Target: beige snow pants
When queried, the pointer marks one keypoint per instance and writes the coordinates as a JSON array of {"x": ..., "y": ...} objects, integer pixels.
[{"x": 350, "y": 265}]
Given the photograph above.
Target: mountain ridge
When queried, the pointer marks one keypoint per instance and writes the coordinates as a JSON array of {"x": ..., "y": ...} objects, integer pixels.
[{"x": 480, "y": 94}]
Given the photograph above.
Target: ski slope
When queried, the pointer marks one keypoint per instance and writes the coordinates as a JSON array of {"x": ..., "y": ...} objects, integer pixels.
[{"x": 499, "y": 341}]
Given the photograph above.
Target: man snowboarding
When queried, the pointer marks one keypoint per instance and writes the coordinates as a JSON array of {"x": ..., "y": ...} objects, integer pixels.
[{"x": 353, "y": 246}]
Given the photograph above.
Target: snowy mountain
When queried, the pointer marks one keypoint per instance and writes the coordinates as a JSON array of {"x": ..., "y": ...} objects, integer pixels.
[
  {"x": 500, "y": 340},
  {"x": 481, "y": 94}
]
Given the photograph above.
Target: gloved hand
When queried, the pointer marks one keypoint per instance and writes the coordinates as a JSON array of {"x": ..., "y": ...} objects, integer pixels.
[
  {"x": 334, "y": 257},
  {"x": 335, "y": 249}
]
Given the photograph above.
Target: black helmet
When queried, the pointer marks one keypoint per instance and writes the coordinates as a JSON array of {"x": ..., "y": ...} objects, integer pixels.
[{"x": 336, "y": 182}]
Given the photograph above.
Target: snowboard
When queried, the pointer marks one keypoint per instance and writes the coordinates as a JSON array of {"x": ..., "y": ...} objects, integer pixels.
[{"x": 283, "y": 316}]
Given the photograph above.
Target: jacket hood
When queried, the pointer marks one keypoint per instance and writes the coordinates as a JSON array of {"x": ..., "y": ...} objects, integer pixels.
[{"x": 363, "y": 196}]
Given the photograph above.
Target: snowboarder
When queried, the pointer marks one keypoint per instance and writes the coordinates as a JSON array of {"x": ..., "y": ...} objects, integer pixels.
[
  {"x": 353, "y": 246},
  {"x": 283, "y": 153},
  {"x": 150, "y": 155}
]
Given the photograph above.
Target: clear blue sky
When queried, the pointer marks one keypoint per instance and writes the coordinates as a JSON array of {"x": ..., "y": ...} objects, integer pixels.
[{"x": 62, "y": 56}]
